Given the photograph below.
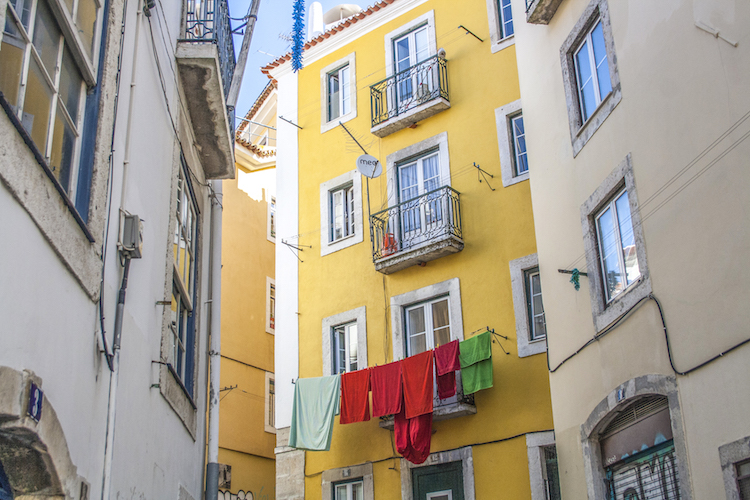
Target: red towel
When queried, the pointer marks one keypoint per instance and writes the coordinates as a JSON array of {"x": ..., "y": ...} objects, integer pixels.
[
  {"x": 355, "y": 397},
  {"x": 446, "y": 364},
  {"x": 418, "y": 382},
  {"x": 413, "y": 436},
  {"x": 385, "y": 382}
]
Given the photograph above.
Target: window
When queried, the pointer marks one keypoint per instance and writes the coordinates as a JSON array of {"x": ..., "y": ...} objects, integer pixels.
[
  {"x": 345, "y": 342},
  {"x": 350, "y": 490},
  {"x": 182, "y": 324},
  {"x": 444, "y": 475},
  {"x": 426, "y": 318},
  {"x": 506, "y": 18},
  {"x": 500, "y": 17},
  {"x": 270, "y": 404},
  {"x": 520, "y": 163},
  {"x": 511, "y": 141},
  {"x": 341, "y": 212},
  {"x": 531, "y": 327},
  {"x": 270, "y": 305},
  {"x": 537, "y": 324},
  {"x": 43, "y": 83},
  {"x": 619, "y": 261},
  {"x": 339, "y": 97},
  {"x": 743, "y": 479},
  {"x": 592, "y": 71},
  {"x": 338, "y": 93},
  {"x": 344, "y": 345},
  {"x": 543, "y": 474},
  {"x": 271, "y": 236},
  {"x": 427, "y": 325},
  {"x": 590, "y": 76},
  {"x": 406, "y": 47},
  {"x": 615, "y": 250}
]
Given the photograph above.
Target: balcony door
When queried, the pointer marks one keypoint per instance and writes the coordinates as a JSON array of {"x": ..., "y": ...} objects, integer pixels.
[
  {"x": 408, "y": 51},
  {"x": 421, "y": 205}
]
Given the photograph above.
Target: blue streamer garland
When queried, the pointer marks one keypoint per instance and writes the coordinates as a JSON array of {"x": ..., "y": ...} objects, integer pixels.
[{"x": 298, "y": 34}]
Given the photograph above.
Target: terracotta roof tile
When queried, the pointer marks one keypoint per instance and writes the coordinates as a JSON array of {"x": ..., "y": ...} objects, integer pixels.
[
  {"x": 256, "y": 106},
  {"x": 341, "y": 26},
  {"x": 257, "y": 150}
]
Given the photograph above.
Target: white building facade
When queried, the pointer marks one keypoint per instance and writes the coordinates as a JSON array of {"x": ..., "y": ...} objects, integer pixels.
[
  {"x": 113, "y": 131},
  {"x": 636, "y": 119}
]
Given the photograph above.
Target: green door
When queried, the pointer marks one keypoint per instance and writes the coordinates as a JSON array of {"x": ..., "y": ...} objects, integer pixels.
[{"x": 438, "y": 482}]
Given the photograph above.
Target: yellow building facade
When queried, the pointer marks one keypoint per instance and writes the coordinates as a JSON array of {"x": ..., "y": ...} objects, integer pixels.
[
  {"x": 247, "y": 401},
  {"x": 446, "y": 244}
]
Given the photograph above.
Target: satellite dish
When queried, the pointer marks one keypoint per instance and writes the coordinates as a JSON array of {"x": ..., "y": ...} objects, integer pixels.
[{"x": 369, "y": 166}]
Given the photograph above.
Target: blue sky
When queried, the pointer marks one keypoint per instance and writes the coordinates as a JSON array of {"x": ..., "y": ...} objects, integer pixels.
[{"x": 274, "y": 18}]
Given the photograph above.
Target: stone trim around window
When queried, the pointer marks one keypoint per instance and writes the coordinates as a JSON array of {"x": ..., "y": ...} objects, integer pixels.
[
  {"x": 450, "y": 288},
  {"x": 581, "y": 132},
  {"x": 414, "y": 151},
  {"x": 332, "y": 476},
  {"x": 358, "y": 315},
  {"x": 354, "y": 179},
  {"x": 427, "y": 18},
  {"x": 267, "y": 402},
  {"x": 464, "y": 455},
  {"x": 326, "y": 125},
  {"x": 503, "y": 114},
  {"x": 526, "y": 347},
  {"x": 729, "y": 455},
  {"x": 497, "y": 42},
  {"x": 608, "y": 409},
  {"x": 535, "y": 441},
  {"x": 603, "y": 313}
]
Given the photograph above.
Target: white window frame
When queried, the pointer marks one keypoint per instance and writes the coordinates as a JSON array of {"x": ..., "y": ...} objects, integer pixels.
[
  {"x": 269, "y": 407},
  {"x": 357, "y": 316},
  {"x": 518, "y": 269},
  {"x": 342, "y": 197},
  {"x": 495, "y": 18},
  {"x": 582, "y": 130},
  {"x": 353, "y": 179},
  {"x": 399, "y": 303},
  {"x": 350, "y": 62},
  {"x": 344, "y": 98},
  {"x": 270, "y": 305},
  {"x": 272, "y": 223},
  {"x": 347, "y": 347},
  {"x": 436, "y": 494},
  {"x": 535, "y": 444},
  {"x": 331, "y": 477},
  {"x": 427, "y": 19},
  {"x": 528, "y": 275},
  {"x": 517, "y": 154},
  {"x": 505, "y": 142},
  {"x": 602, "y": 310},
  {"x": 588, "y": 41},
  {"x": 349, "y": 488},
  {"x": 464, "y": 455},
  {"x": 429, "y": 332},
  {"x": 423, "y": 148}
]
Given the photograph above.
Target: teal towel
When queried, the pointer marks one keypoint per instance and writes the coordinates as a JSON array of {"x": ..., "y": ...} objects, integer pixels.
[
  {"x": 316, "y": 402},
  {"x": 476, "y": 363}
]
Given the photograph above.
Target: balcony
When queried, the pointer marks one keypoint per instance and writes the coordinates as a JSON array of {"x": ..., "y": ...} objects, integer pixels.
[
  {"x": 460, "y": 405},
  {"x": 418, "y": 230},
  {"x": 541, "y": 11},
  {"x": 409, "y": 96},
  {"x": 205, "y": 57}
]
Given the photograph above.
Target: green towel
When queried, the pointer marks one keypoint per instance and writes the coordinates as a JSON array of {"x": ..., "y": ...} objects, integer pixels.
[
  {"x": 476, "y": 363},
  {"x": 316, "y": 402}
]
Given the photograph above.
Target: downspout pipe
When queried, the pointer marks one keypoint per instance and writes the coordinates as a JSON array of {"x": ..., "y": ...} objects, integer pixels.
[{"x": 214, "y": 348}]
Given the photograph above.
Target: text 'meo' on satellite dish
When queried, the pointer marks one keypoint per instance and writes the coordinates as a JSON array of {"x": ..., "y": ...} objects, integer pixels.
[{"x": 369, "y": 166}]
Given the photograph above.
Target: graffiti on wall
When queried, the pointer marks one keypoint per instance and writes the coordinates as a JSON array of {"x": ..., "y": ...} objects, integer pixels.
[{"x": 245, "y": 495}]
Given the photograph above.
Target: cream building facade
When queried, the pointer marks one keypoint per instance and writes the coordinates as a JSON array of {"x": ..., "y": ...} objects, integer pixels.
[{"x": 637, "y": 120}]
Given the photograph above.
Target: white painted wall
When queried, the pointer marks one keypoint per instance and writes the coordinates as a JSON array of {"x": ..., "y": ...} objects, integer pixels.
[{"x": 286, "y": 352}]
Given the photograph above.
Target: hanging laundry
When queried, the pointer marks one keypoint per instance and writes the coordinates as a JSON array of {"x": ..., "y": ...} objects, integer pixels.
[
  {"x": 416, "y": 372},
  {"x": 355, "y": 396},
  {"x": 413, "y": 436},
  {"x": 476, "y": 362},
  {"x": 446, "y": 364},
  {"x": 385, "y": 383},
  {"x": 316, "y": 402}
]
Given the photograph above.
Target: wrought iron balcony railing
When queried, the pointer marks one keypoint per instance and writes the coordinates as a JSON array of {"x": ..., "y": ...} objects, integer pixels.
[
  {"x": 208, "y": 21},
  {"x": 397, "y": 94},
  {"x": 430, "y": 217}
]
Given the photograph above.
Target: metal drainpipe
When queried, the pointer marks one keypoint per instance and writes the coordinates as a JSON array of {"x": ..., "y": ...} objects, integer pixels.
[{"x": 214, "y": 348}]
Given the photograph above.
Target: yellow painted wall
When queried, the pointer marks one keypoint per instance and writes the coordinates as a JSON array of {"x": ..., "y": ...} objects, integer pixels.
[
  {"x": 498, "y": 227},
  {"x": 247, "y": 350}
]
